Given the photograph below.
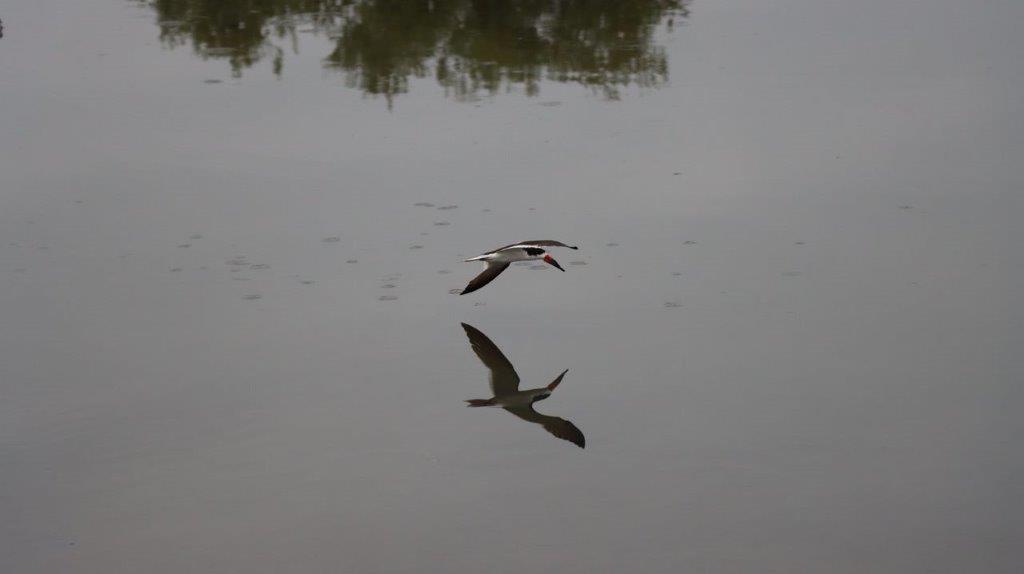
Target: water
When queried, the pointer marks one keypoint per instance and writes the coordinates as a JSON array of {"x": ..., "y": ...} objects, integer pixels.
[{"x": 229, "y": 234}]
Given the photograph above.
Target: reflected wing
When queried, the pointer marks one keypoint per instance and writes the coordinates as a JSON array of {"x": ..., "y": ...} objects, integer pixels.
[
  {"x": 492, "y": 271},
  {"x": 559, "y": 427},
  {"x": 504, "y": 380}
]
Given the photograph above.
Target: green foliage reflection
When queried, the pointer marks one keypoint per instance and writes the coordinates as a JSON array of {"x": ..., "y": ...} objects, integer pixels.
[{"x": 471, "y": 47}]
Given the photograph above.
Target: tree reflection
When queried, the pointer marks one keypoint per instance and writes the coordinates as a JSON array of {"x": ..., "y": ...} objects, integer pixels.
[{"x": 471, "y": 47}]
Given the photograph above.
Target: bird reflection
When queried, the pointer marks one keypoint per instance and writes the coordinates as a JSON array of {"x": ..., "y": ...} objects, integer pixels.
[{"x": 505, "y": 385}]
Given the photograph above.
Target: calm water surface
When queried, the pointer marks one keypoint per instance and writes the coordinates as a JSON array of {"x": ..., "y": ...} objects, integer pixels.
[{"x": 229, "y": 232}]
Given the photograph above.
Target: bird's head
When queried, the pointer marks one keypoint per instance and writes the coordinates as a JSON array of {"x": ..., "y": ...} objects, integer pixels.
[{"x": 551, "y": 261}]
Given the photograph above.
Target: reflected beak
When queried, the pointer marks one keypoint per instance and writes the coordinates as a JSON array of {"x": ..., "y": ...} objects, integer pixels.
[
  {"x": 551, "y": 260},
  {"x": 557, "y": 380}
]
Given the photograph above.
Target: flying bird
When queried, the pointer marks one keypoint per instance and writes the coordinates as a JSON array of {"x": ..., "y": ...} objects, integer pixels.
[
  {"x": 499, "y": 259},
  {"x": 505, "y": 385}
]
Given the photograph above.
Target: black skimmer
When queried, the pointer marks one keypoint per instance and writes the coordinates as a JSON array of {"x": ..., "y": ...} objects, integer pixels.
[
  {"x": 505, "y": 385},
  {"x": 499, "y": 259}
]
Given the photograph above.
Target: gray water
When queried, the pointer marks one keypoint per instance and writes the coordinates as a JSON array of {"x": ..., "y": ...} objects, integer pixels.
[{"x": 229, "y": 232}]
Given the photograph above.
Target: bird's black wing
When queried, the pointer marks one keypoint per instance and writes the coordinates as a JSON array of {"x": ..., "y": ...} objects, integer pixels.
[
  {"x": 504, "y": 380},
  {"x": 493, "y": 270},
  {"x": 547, "y": 243},
  {"x": 559, "y": 427},
  {"x": 536, "y": 242}
]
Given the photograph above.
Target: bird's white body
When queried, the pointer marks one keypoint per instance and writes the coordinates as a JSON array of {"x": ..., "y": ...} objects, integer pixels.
[
  {"x": 520, "y": 398},
  {"x": 510, "y": 254}
]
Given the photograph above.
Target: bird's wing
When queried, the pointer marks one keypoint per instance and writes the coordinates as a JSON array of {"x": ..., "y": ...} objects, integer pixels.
[
  {"x": 533, "y": 243},
  {"x": 504, "y": 380},
  {"x": 547, "y": 243},
  {"x": 559, "y": 427},
  {"x": 493, "y": 270}
]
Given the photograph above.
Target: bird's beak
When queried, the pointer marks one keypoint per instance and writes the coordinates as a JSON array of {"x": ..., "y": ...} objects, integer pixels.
[
  {"x": 551, "y": 260},
  {"x": 557, "y": 380}
]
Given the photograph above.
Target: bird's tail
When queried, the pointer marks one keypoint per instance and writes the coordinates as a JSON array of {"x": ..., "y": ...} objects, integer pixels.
[{"x": 480, "y": 402}]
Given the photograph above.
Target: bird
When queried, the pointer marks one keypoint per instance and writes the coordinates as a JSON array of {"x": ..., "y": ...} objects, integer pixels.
[
  {"x": 499, "y": 259},
  {"x": 505, "y": 385}
]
